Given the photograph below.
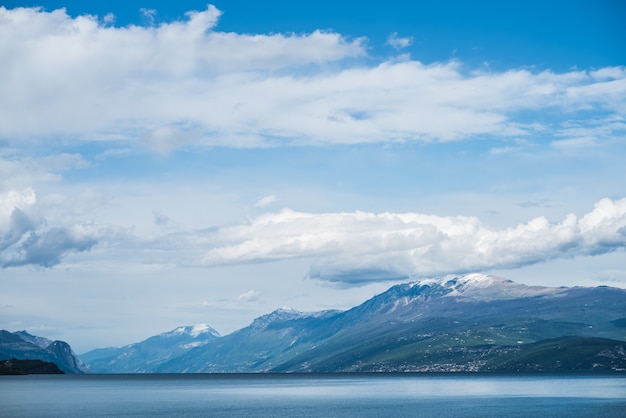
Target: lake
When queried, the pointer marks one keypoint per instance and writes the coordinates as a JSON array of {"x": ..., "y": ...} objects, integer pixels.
[{"x": 332, "y": 395}]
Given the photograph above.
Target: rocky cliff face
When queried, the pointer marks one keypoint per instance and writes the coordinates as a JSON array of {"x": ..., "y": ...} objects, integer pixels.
[{"x": 24, "y": 346}]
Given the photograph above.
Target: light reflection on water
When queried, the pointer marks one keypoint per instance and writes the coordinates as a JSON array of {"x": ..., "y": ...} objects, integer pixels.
[
  {"x": 428, "y": 387},
  {"x": 311, "y": 395}
]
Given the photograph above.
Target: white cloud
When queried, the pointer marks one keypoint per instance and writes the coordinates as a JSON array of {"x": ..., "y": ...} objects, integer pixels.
[
  {"x": 19, "y": 171},
  {"x": 149, "y": 15},
  {"x": 358, "y": 247},
  {"x": 164, "y": 139},
  {"x": 95, "y": 80},
  {"x": 15, "y": 200},
  {"x": 265, "y": 201},
  {"x": 591, "y": 133},
  {"x": 27, "y": 239},
  {"x": 609, "y": 73},
  {"x": 249, "y": 296},
  {"x": 345, "y": 247},
  {"x": 518, "y": 146},
  {"x": 185, "y": 82},
  {"x": 575, "y": 143},
  {"x": 238, "y": 302},
  {"x": 109, "y": 19},
  {"x": 398, "y": 43}
]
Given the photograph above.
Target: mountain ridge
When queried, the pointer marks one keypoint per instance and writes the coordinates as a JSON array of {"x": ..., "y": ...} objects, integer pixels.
[
  {"x": 474, "y": 323},
  {"x": 21, "y": 345},
  {"x": 143, "y": 356},
  {"x": 469, "y": 311}
]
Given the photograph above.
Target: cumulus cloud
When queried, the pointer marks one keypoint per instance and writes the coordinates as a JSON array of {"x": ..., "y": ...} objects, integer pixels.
[
  {"x": 25, "y": 239},
  {"x": 360, "y": 246},
  {"x": 98, "y": 80},
  {"x": 185, "y": 82},
  {"x": 346, "y": 247}
]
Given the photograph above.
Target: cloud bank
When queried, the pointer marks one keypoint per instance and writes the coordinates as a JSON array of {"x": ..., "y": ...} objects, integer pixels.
[
  {"x": 347, "y": 247},
  {"x": 357, "y": 247},
  {"x": 64, "y": 80},
  {"x": 185, "y": 82}
]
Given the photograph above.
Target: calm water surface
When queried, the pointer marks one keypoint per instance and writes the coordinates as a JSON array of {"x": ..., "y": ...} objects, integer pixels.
[{"x": 311, "y": 396}]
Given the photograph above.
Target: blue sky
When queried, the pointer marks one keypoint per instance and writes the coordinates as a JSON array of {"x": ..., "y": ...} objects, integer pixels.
[{"x": 167, "y": 164}]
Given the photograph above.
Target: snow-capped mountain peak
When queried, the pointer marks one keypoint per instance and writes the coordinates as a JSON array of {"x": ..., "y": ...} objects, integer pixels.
[
  {"x": 473, "y": 282},
  {"x": 193, "y": 331},
  {"x": 201, "y": 329},
  {"x": 487, "y": 287},
  {"x": 484, "y": 287}
]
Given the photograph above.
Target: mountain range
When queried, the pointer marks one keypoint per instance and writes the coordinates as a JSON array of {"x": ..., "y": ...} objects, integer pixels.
[
  {"x": 148, "y": 355},
  {"x": 473, "y": 323},
  {"x": 21, "y": 345}
]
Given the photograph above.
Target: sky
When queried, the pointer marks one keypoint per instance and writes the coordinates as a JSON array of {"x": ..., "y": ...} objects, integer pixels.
[{"x": 174, "y": 163}]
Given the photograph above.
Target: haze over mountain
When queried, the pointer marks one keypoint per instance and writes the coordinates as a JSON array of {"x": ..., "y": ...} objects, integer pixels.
[{"x": 470, "y": 323}]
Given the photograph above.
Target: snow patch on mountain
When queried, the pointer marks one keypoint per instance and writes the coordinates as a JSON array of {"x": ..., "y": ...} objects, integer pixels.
[
  {"x": 192, "y": 330},
  {"x": 193, "y": 344},
  {"x": 202, "y": 329},
  {"x": 486, "y": 287}
]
